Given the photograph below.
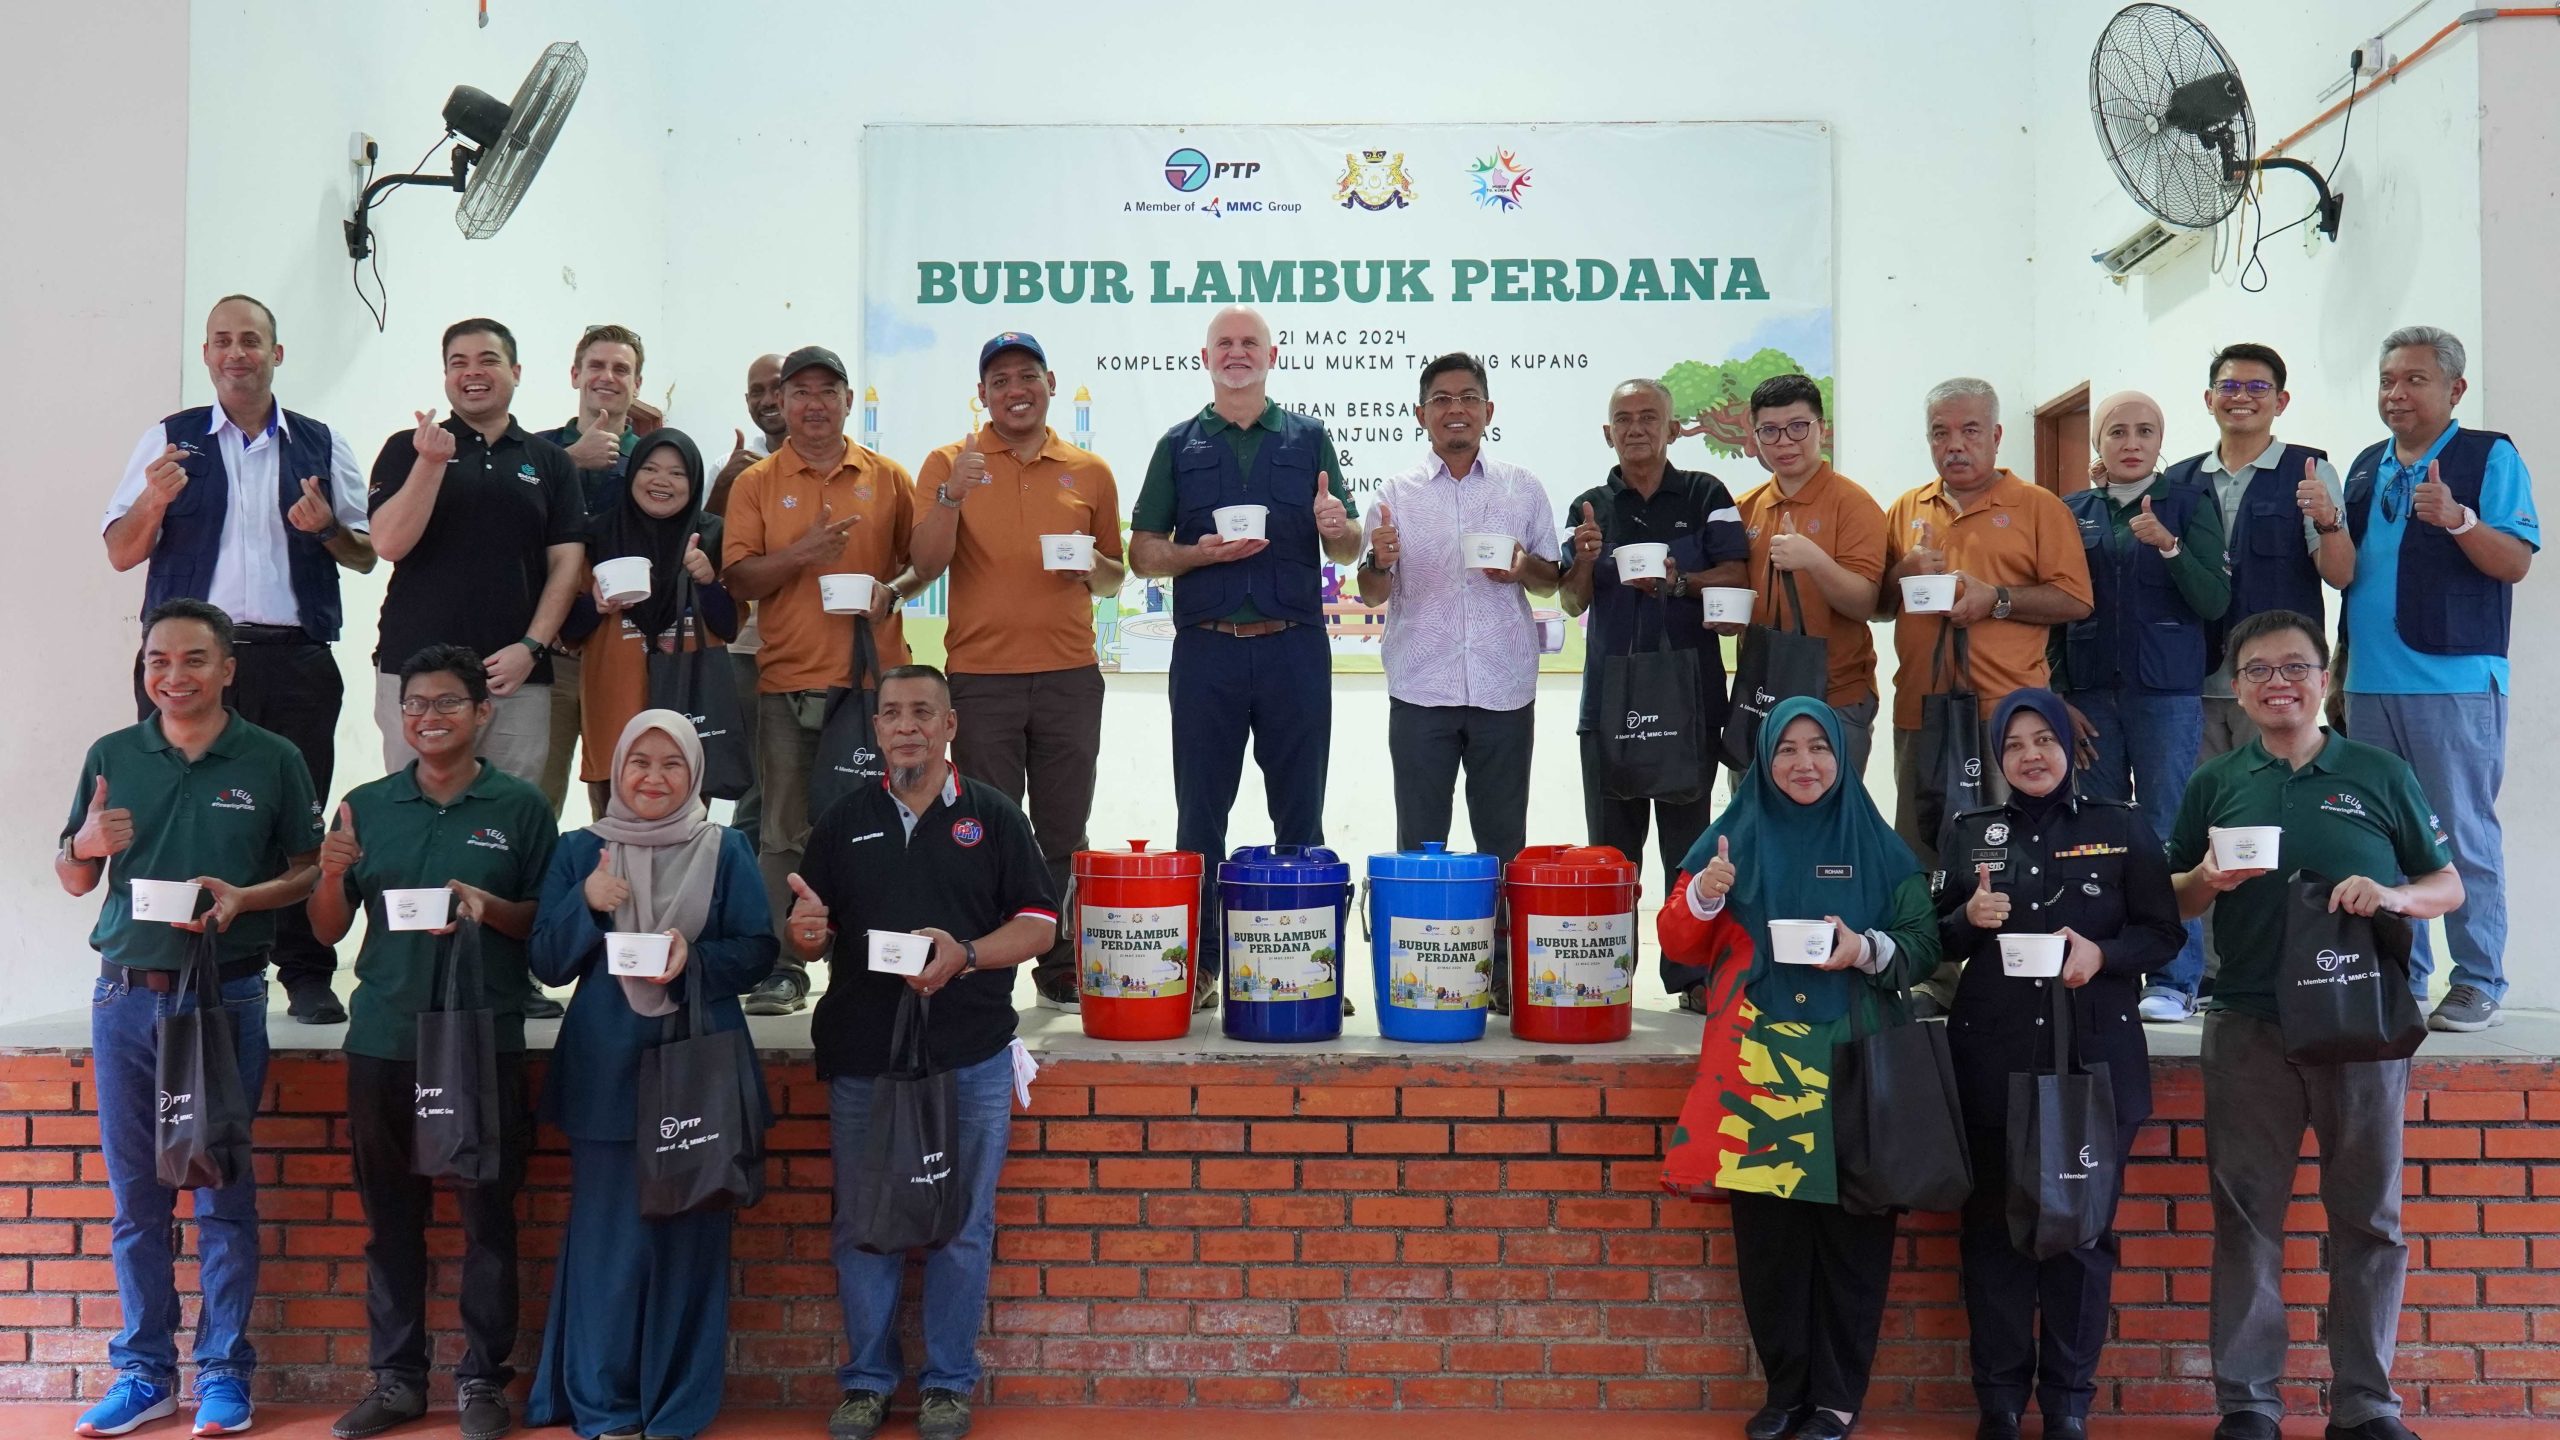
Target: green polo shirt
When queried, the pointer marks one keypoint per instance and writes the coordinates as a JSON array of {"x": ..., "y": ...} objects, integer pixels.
[
  {"x": 1157, "y": 510},
  {"x": 497, "y": 836},
  {"x": 239, "y": 813},
  {"x": 2350, "y": 810}
]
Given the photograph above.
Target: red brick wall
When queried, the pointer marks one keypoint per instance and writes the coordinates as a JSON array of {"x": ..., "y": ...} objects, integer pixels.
[{"x": 1314, "y": 1230}]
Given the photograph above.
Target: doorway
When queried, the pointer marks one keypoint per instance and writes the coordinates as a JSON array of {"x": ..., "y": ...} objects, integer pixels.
[{"x": 2062, "y": 441}]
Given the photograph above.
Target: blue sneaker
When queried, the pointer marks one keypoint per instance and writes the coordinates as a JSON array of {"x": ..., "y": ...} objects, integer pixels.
[
  {"x": 222, "y": 1404},
  {"x": 131, "y": 1402}
]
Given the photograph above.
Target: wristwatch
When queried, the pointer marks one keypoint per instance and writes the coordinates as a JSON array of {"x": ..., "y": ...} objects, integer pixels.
[
  {"x": 942, "y": 496},
  {"x": 2470, "y": 518},
  {"x": 1999, "y": 602},
  {"x": 1679, "y": 582},
  {"x": 2332, "y": 528},
  {"x": 968, "y": 956},
  {"x": 536, "y": 647}
]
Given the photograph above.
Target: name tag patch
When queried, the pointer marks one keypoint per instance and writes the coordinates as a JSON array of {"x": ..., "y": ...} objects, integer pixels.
[{"x": 1834, "y": 872}]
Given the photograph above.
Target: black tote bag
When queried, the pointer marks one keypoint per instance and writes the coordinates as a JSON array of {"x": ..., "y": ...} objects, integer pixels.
[
  {"x": 1653, "y": 744},
  {"x": 696, "y": 682},
  {"x": 201, "y": 1138},
  {"x": 848, "y": 753},
  {"x": 456, "y": 1135},
  {"x": 2064, "y": 1172},
  {"x": 1950, "y": 750},
  {"x": 699, "y": 1128},
  {"x": 1773, "y": 664},
  {"x": 1897, "y": 1129},
  {"x": 911, "y": 1195},
  {"x": 2342, "y": 982}
]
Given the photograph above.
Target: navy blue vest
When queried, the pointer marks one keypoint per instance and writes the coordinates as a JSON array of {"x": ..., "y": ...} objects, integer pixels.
[
  {"x": 2140, "y": 634},
  {"x": 1285, "y": 581},
  {"x": 2444, "y": 605},
  {"x": 191, "y": 532},
  {"x": 2271, "y": 569}
]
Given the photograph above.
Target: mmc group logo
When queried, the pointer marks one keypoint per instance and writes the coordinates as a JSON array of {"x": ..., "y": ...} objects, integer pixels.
[
  {"x": 1501, "y": 181},
  {"x": 1187, "y": 169}
]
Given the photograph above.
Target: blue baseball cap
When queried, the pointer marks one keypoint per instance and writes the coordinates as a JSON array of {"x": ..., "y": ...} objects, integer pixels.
[{"x": 1010, "y": 340}]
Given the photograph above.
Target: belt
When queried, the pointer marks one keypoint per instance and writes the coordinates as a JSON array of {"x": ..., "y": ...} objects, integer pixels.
[
  {"x": 163, "y": 981},
  {"x": 271, "y": 635},
  {"x": 1245, "y": 629}
]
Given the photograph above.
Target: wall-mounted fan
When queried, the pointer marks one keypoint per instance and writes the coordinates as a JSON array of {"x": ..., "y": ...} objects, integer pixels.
[
  {"x": 506, "y": 147},
  {"x": 2175, "y": 123}
]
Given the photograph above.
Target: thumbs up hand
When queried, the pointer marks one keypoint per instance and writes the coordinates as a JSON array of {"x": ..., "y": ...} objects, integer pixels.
[
  {"x": 2433, "y": 500},
  {"x": 1586, "y": 536},
  {"x": 1789, "y": 549},
  {"x": 806, "y": 930},
  {"x": 1332, "y": 521},
  {"x": 1988, "y": 909},
  {"x": 606, "y": 891},
  {"x": 2312, "y": 498},
  {"x": 2148, "y": 529},
  {"x": 339, "y": 852},
  {"x": 1713, "y": 883},
  {"x": 1384, "y": 541},
  {"x": 311, "y": 514},
  {"x": 106, "y": 830},
  {"x": 968, "y": 469},
  {"x": 697, "y": 564}
]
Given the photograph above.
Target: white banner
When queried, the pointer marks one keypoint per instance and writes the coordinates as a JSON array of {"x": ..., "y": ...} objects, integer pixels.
[{"x": 1567, "y": 257}]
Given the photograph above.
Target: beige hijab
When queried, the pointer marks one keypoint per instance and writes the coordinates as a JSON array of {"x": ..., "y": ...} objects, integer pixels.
[{"x": 671, "y": 864}]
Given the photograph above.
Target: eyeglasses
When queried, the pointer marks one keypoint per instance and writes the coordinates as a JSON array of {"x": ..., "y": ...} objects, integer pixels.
[
  {"x": 441, "y": 704},
  {"x": 2395, "y": 493},
  {"x": 1442, "y": 399},
  {"x": 1792, "y": 430},
  {"x": 2243, "y": 387},
  {"x": 2294, "y": 673}
]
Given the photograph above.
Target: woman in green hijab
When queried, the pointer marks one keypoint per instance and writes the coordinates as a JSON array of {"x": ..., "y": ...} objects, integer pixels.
[{"x": 1797, "y": 844}]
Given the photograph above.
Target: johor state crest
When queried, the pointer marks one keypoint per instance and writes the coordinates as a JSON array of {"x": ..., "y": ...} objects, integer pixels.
[{"x": 1373, "y": 180}]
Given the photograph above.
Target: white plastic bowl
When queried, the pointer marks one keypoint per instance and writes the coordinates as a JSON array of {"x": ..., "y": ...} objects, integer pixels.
[
  {"x": 1727, "y": 604},
  {"x": 637, "y": 952},
  {"x": 846, "y": 594},
  {"x": 2031, "y": 957},
  {"x": 165, "y": 902},
  {"x": 898, "y": 953},
  {"x": 1487, "y": 551},
  {"x": 1066, "y": 552},
  {"x": 2247, "y": 847},
  {"x": 1646, "y": 561},
  {"x": 1928, "y": 594},
  {"x": 624, "y": 580},
  {"x": 1800, "y": 942},
  {"x": 1240, "y": 522},
  {"x": 416, "y": 909}
]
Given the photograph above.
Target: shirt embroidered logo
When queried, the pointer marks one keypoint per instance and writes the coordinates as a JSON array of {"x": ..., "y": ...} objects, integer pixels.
[
  {"x": 967, "y": 832},
  {"x": 488, "y": 837},
  {"x": 235, "y": 800}
]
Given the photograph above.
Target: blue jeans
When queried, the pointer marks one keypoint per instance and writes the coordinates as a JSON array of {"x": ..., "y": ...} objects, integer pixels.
[
  {"x": 2146, "y": 751},
  {"x": 1275, "y": 691},
  {"x": 2458, "y": 746},
  {"x": 125, "y": 1050},
  {"x": 955, "y": 1276}
]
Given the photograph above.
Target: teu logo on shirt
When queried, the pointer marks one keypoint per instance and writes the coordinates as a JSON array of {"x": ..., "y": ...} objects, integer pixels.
[
  {"x": 488, "y": 837},
  {"x": 235, "y": 799}
]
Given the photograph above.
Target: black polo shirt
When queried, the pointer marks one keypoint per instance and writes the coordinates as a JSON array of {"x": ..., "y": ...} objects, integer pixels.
[
  {"x": 969, "y": 867},
  {"x": 1694, "y": 514},
  {"x": 475, "y": 576}
]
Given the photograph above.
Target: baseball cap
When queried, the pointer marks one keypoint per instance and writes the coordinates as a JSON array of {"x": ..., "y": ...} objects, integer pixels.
[
  {"x": 1010, "y": 340},
  {"x": 818, "y": 355}
]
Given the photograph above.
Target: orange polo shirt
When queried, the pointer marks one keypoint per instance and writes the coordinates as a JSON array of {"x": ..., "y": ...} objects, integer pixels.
[
  {"x": 1836, "y": 513},
  {"x": 1008, "y": 615},
  {"x": 2012, "y": 534},
  {"x": 773, "y": 504}
]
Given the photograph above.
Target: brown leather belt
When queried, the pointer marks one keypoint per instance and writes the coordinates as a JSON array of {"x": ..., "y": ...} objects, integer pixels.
[
  {"x": 1245, "y": 629},
  {"x": 161, "y": 982}
]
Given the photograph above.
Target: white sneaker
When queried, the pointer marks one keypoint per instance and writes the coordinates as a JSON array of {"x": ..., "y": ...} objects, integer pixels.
[{"x": 2165, "y": 1007}]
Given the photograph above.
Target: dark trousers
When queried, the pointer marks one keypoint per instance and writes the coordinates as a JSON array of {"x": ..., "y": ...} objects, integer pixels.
[
  {"x": 1277, "y": 691},
  {"x": 750, "y": 809},
  {"x": 1813, "y": 1282},
  {"x": 380, "y": 1121},
  {"x": 1037, "y": 735},
  {"x": 1621, "y": 825},
  {"x": 292, "y": 687},
  {"x": 2005, "y": 1292},
  {"x": 1425, "y": 746}
]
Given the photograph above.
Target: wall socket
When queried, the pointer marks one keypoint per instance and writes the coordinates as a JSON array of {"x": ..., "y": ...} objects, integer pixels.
[{"x": 361, "y": 150}]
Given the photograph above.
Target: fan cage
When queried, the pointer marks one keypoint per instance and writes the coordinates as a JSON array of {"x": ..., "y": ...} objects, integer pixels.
[
  {"x": 506, "y": 167},
  {"x": 2142, "y": 56}
]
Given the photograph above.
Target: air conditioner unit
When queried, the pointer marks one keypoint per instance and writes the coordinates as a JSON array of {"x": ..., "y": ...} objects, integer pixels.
[{"x": 2148, "y": 248}]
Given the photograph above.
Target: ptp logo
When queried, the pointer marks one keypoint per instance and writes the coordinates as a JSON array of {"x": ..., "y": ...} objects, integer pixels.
[{"x": 1187, "y": 169}]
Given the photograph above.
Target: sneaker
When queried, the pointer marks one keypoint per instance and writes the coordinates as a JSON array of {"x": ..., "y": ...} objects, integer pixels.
[
  {"x": 2380, "y": 1427},
  {"x": 129, "y": 1403},
  {"x": 2247, "y": 1425},
  {"x": 393, "y": 1402},
  {"x": 313, "y": 1003},
  {"x": 943, "y": 1415},
  {"x": 784, "y": 992},
  {"x": 859, "y": 1417},
  {"x": 540, "y": 1006},
  {"x": 2163, "y": 1006},
  {"x": 1694, "y": 1000},
  {"x": 1206, "y": 992},
  {"x": 484, "y": 1410},
  {"x": 1057, "y": 992},
  {"x": 222, "y": 1404},
  {"x": 2465, "y": 1007}
]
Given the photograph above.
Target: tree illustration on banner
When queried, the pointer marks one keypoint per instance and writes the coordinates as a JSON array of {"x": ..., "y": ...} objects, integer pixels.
[{"x": 1713, "y": 402}]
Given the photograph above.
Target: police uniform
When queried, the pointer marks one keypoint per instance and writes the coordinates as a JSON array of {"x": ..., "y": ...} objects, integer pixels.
[{"x": 2095, "y": 867}]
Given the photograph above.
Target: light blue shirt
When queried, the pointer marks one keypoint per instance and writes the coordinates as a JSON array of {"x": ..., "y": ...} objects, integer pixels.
[{"x": 2379, "y": 662}]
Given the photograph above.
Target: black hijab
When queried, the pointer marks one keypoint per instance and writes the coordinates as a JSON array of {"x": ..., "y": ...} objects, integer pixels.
[
  {"x": 625, "y": 529},
  {"x": 2049, "y": 705}
]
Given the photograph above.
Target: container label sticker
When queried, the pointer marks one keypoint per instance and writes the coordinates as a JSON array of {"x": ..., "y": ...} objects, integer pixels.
[
  {"x": 1579, "y": 960},
  {"x": 1134, "y": 954},
  {"x": 1439, "y": 964},
  {"x": 1275, "y": 955}
]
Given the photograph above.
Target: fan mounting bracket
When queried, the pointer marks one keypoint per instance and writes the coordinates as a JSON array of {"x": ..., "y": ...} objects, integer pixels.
[
  {"x": 359, "y": 226},
  {"x": 2331, "y": 203}
]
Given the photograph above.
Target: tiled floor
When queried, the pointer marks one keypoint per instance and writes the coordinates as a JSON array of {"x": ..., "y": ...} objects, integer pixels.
[{"x": 306, "y": 1423}]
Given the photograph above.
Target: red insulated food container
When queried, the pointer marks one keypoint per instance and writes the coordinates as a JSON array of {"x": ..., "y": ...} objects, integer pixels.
[
  {"x": 1573, "y": 943},
  {"x": 1137, "y": 919}
]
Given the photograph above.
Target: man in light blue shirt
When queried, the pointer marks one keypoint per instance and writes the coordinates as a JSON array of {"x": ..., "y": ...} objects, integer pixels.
[{"x": 2445, "y": 528}]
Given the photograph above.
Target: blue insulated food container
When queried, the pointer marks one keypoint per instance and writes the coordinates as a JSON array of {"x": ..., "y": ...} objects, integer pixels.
[
  {"x": 1430, "y": 922},
  {"x": 1282, "y": 909}
]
